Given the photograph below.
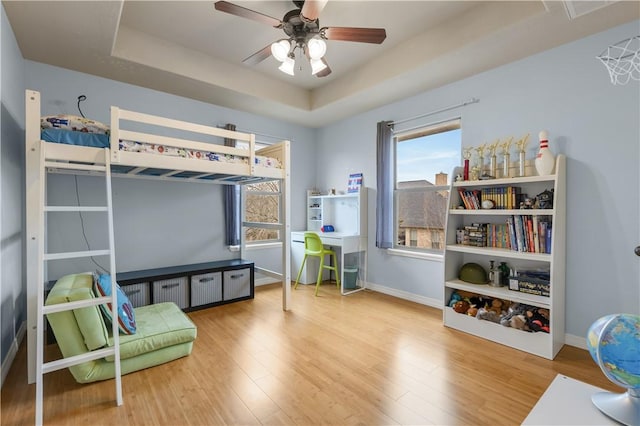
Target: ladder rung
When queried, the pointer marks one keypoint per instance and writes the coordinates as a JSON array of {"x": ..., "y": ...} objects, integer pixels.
[
  {"x": 74, "y": 166},
  {"x": 75, "y": 209},
  {"x": 68, "y": 306},
  {"x": 76, "y": 254},
  {"x": 59, "y": 364}
]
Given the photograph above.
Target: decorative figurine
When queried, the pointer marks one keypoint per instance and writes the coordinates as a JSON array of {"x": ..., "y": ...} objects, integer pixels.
[{"x": 544, "y": 200}]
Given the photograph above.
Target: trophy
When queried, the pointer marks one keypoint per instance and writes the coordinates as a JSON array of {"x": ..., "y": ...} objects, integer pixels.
[
  {"x": 493, "y": 160},
  {"x": 480, "y": 150},
  {"x": 466, "y": 154},
  {"x": 506, "y": 147},
  {"x": 522, "y": 144}
]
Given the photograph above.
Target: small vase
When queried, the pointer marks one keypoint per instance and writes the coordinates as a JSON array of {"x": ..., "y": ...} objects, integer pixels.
[{"x": 545, "y": 160}]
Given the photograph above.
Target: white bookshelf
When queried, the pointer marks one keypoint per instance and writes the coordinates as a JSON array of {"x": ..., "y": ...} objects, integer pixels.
[{"x": 542, "y": 344}]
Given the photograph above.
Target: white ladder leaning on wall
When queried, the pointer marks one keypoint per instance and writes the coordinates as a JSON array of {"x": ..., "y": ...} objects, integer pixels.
[{"x": 100, "y": 168}]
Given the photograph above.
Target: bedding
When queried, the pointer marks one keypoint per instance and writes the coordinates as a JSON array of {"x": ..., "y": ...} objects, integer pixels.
[{"x": 94, "y": 134}]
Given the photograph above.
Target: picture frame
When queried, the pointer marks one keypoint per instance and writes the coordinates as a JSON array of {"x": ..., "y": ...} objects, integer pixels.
[{"x": 355, "y": 183}]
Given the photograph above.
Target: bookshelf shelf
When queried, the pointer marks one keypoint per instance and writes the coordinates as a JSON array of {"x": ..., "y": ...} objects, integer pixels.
[{"x": 542, "y": 344}]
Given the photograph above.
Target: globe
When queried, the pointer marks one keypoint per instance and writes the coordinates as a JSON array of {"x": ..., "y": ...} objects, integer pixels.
[{"x": 614, "y": 344}]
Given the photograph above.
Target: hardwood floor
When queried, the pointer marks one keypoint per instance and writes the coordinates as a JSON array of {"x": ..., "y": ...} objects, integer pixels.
[{"x": 366, "y": 358}]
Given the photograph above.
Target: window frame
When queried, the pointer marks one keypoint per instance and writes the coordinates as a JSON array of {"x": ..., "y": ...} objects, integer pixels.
[{"x": 410, "y": 134}]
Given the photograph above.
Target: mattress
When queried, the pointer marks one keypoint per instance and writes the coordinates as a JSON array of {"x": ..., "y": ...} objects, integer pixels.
[{"x": 62, "y": 129}]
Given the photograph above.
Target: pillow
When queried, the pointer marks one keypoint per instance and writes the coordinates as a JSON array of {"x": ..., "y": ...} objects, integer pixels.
[
  {"x": 73, "y": 123},
  {"x": 126, "y": 315}
]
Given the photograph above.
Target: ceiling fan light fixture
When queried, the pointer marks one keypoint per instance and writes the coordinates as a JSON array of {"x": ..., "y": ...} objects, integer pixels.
[
  {"x": 280, "y": 49},
  {"x": 317, "y": 65},
  {"x": 287, "y": 65},
  {"x": 317, "y": 48}
]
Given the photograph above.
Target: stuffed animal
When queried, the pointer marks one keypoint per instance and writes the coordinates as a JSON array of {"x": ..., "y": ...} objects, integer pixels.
[
  {"x": 538, "y": 319},
  {"x": 514, "y": 310},
  {"x": 454, "y": 298},
  {"x": 487, "y": 315},
  {"x": 472, "y": 311},
  {"x": 461, "y": 306}
]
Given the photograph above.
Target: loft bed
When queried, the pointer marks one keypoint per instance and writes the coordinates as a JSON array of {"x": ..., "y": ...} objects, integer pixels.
[{"x": 140, "y": 145}]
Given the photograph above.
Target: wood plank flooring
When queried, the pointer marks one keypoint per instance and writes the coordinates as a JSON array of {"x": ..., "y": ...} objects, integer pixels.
[{"x": 362, "y": 359}]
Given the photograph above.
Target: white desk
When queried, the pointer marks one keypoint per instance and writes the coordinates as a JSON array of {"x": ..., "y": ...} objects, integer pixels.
[
  {"x": 567, "y": 402},
  {"x": 345, "y": 245}
]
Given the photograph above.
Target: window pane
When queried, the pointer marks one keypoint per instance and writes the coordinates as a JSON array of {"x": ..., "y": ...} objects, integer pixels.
[
  {"x": 424, "y": 160},
  {"x": 427, "y": 157},
  {"x": 262, "y": 207}
]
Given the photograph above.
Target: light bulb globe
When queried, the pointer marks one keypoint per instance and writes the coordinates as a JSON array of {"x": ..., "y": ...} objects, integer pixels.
[
  {"x": 280, "y": 49},
  {"x": 317, "y": 48}
]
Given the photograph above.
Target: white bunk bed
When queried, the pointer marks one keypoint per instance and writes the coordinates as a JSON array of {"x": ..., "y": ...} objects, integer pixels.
[{"x": 242, "y": 166}]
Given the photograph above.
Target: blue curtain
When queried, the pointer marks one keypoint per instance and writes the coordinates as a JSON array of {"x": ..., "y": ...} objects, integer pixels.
[
  {"x": 385, "y": 185},
  {"x": 231, "y": 203}
]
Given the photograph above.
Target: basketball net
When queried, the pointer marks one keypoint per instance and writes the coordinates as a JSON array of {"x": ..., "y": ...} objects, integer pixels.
[{"x": 622, "y": 61}]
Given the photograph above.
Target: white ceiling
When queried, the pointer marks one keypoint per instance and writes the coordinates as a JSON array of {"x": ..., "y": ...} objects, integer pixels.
[{"x": 190, "y": 49}]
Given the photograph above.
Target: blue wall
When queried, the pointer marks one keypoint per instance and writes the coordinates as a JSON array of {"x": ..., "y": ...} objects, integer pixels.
[
  {"x": 12, "y": 274},
  {"x": 566, "y": 91}
]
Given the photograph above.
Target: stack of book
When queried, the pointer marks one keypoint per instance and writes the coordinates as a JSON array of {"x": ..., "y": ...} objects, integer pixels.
[{"x": 523, "y": 233}]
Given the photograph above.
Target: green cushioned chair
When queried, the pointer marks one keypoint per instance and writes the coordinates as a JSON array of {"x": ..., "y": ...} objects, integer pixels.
[{"x": 164, "y": 332}]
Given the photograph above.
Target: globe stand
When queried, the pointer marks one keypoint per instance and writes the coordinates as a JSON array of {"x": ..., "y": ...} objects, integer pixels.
[{"x": 622, "y": 407}]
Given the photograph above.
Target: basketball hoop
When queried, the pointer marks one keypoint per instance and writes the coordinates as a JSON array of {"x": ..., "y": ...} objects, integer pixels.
[{"x": 622, "y": 60}]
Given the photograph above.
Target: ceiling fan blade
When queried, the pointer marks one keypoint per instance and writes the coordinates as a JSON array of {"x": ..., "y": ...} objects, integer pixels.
[
  {"x": 259, "y": 56},
  {"x": 243, "y": 12},
  {"x": 362, "y": 35},
  {"x": 325, "y": 72},
  {"x": 312, "y": 8}
]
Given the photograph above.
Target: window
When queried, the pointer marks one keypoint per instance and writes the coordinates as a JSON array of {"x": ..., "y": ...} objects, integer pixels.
[
  {"x": 424, "y": 160},
  {"x": 262, "y": 204}
]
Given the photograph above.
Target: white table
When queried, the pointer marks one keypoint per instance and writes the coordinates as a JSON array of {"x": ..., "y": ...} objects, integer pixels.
[
  {"x": 345, "y": 244},
  {"x": 567, "y": 402}
]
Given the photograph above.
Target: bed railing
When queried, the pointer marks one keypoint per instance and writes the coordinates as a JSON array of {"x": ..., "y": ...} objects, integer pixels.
[{"x": 117, "y": 134}]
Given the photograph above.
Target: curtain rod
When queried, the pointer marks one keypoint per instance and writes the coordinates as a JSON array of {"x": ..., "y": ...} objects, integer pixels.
[{"x": 465, "y": 103}]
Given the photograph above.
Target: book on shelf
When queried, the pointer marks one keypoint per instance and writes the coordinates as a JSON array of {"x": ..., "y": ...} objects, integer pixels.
[{"x": 522, "y": 233}]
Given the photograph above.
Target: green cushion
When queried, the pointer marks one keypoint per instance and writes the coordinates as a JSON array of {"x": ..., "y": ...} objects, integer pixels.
[
  {"x": 164, "y": 332},
  {"x": 159, "y": 326},
  {"x": 89, "y": 320}
]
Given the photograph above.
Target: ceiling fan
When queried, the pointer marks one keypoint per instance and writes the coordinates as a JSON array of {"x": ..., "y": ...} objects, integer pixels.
[{"x": 304, "y": 33}]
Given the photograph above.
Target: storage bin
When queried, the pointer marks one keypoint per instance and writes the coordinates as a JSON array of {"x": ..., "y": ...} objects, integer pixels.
[
  {"x": 138, "y": 294},
  {"x": 174, "y": 290},
  {"x": 237, "y": 284},
  {"x": 350, "y": 274},
  {"x": 206, "y": 288}
]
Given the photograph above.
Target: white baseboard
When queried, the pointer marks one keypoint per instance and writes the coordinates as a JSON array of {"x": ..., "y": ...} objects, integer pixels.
[
  {"x": 400, "y": 294},
  {"x": 265, "y": 281},
  {"x": 13, "y": 350},
  {"x": 577, "y": 341}
]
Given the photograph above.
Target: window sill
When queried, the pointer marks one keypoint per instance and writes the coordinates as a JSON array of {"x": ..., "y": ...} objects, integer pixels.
[
  {"x": 260, "y": 246},
  {"x": 416, "y": 254}
]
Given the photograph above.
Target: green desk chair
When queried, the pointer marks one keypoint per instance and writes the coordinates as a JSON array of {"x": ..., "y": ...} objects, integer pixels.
[{"x": 313, "y": 247}]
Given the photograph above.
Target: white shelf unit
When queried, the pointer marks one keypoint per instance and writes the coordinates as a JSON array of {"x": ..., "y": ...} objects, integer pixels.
[
  {"x": 346, "y": 212},
  {"x": 545, "y": 345}
]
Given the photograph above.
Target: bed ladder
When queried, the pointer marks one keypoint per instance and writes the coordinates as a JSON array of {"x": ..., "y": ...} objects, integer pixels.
[{"x": 46, "y": 367}]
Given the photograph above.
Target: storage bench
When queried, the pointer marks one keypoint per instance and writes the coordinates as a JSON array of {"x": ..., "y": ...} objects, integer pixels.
[{"x": 191, "y": 287}]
